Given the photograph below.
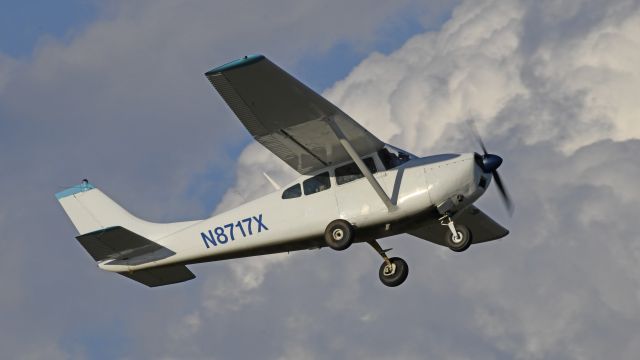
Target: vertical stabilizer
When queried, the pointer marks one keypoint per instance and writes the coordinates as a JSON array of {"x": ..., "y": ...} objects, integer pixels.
[{"x": 91, "y": 210}]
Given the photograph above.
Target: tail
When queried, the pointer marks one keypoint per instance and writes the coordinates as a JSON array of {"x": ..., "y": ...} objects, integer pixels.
[
  {"x": 119, "y": 241},
  {"x": 91, "y": 210}
]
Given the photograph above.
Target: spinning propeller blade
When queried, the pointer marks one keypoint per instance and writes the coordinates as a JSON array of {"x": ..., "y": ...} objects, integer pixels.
[
  {"x": 476, "y": 136},
  {"x": 491, "y": 163},
  {"x": 503, "y": 191}
]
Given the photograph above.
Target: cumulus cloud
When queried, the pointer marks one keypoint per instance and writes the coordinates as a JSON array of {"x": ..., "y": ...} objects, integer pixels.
[
  {"x": 123, "y": 102},
  {"x": 551, "y": 87},
  {"x": 569, "y": 89}
]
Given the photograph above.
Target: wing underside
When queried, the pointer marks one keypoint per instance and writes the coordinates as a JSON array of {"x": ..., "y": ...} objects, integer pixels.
[
  {"x": 482, "y": 227},
  {"x": 286, "y": 116}
]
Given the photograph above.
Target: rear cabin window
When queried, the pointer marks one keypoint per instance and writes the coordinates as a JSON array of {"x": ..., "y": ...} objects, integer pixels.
[
  {"x": 292, "y": 192},
  {"x": 350, "y": 172},
  {"x": 317, "y": 183}
]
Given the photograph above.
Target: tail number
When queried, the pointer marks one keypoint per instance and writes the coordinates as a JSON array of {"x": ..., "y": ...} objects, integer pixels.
[{"x": 223, "y": 234}]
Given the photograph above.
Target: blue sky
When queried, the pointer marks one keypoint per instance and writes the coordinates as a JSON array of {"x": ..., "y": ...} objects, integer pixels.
[
  {"x": 24, "y": 23},
  {"x": 115, "y": 92}
]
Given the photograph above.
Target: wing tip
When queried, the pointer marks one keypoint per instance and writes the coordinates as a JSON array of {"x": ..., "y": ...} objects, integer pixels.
[{"x": 244, "y": 61}]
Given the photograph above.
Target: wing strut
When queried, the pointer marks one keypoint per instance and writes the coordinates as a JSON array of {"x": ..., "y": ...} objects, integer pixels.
[{"x": 363, "y": 168}]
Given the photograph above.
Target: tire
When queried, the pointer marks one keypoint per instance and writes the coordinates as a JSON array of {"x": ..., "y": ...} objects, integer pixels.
[
  {"x": 461, "y": 244},
  {"x": 399, "y": 274},
  {"x": 339, "y": 235}
]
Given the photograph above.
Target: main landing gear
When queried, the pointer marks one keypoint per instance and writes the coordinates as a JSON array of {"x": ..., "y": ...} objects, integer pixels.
[
  {"x": 393, "y": 271},
  {"x": 339, "y": 235},
  {"x": 458, "y": 238}
]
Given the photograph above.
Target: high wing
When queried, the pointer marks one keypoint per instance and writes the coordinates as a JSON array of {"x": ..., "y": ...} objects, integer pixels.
[
  {"x": 286, "y": 116},
  {"x": 482, "y": 227}
]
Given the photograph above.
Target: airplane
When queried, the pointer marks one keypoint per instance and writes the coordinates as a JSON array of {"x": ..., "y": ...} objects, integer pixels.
[{"x": 353, "y": 188}]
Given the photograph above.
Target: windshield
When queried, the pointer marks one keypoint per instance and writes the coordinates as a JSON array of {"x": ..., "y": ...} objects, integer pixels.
[{"x": 393, "y": 157}]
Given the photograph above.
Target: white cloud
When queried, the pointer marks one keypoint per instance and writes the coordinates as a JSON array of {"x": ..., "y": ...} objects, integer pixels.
[
  {"x": 551, "y": 85},
  {"x": 549, "y": 82},
  {"x": 123, "y": 102},
  {"x": 568, "y": 90},
  {"x": 468, "y": 69},
  {"x": 239, "y": 286}
]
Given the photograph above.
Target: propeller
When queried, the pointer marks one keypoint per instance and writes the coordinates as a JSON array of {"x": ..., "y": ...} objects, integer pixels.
[{"x": 491, "y": 163}]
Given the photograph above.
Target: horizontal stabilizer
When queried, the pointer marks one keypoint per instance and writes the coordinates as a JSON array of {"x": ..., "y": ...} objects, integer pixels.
[
  {"x": 161, "y": 276},
  {"x": 118, "y": 243}
]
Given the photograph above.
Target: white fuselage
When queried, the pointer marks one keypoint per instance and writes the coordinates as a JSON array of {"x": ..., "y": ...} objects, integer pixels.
[{"x": 270, "y": 224}]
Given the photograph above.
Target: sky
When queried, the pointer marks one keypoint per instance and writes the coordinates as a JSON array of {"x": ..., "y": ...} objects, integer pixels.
[{"x": 114, "y": 92}]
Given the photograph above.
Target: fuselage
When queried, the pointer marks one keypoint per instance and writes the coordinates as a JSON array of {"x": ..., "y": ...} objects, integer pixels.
[{"x": 296, "y": 216}]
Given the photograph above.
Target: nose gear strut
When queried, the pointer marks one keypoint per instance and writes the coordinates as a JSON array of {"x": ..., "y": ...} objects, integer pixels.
[
  {"x": 458, "y": 238},
  {"x": 452, "y": 227}
]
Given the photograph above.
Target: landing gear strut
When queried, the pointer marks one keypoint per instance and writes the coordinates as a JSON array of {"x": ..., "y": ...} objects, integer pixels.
[
  {"x": 458, "y": 238},
  {"x": 393, "y": 271}
]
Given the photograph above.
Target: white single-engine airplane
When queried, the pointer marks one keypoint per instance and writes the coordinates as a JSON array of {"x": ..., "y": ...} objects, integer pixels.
[{"x": 352, "y": 188}]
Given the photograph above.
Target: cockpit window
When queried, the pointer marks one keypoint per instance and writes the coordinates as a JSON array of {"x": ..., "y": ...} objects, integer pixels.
[
  {"x": 350, "y": 172},
  {"x": 292, "y": 192},
  {"x": 317, "y": 183},
  {"x": 392, "y": 157}
]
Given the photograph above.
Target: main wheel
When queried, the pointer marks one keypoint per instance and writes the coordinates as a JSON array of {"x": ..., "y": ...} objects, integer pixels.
[
  {"x": 461, "y": 242},
  {"x": 339, "y": 234},
  {"x": 395, "y": 274}
]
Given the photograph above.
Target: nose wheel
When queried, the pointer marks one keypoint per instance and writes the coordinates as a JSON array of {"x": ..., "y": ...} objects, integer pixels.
[
  {"x": 393, "y": 271},
  {"x": 458, "y": 238}
]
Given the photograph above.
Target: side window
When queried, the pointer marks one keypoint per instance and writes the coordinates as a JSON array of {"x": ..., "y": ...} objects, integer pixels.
[
  {"x": 350, "y": 172},
  {"x": 317, "y": 183},
  {"x": 292, "y": 192}
]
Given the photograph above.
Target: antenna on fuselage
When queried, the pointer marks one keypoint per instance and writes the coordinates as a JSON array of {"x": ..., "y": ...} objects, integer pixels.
[{"x": 275, "y": 184}]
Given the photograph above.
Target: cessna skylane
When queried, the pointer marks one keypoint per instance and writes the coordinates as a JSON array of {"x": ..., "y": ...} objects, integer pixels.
[{"x": 353, "y": 188}]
